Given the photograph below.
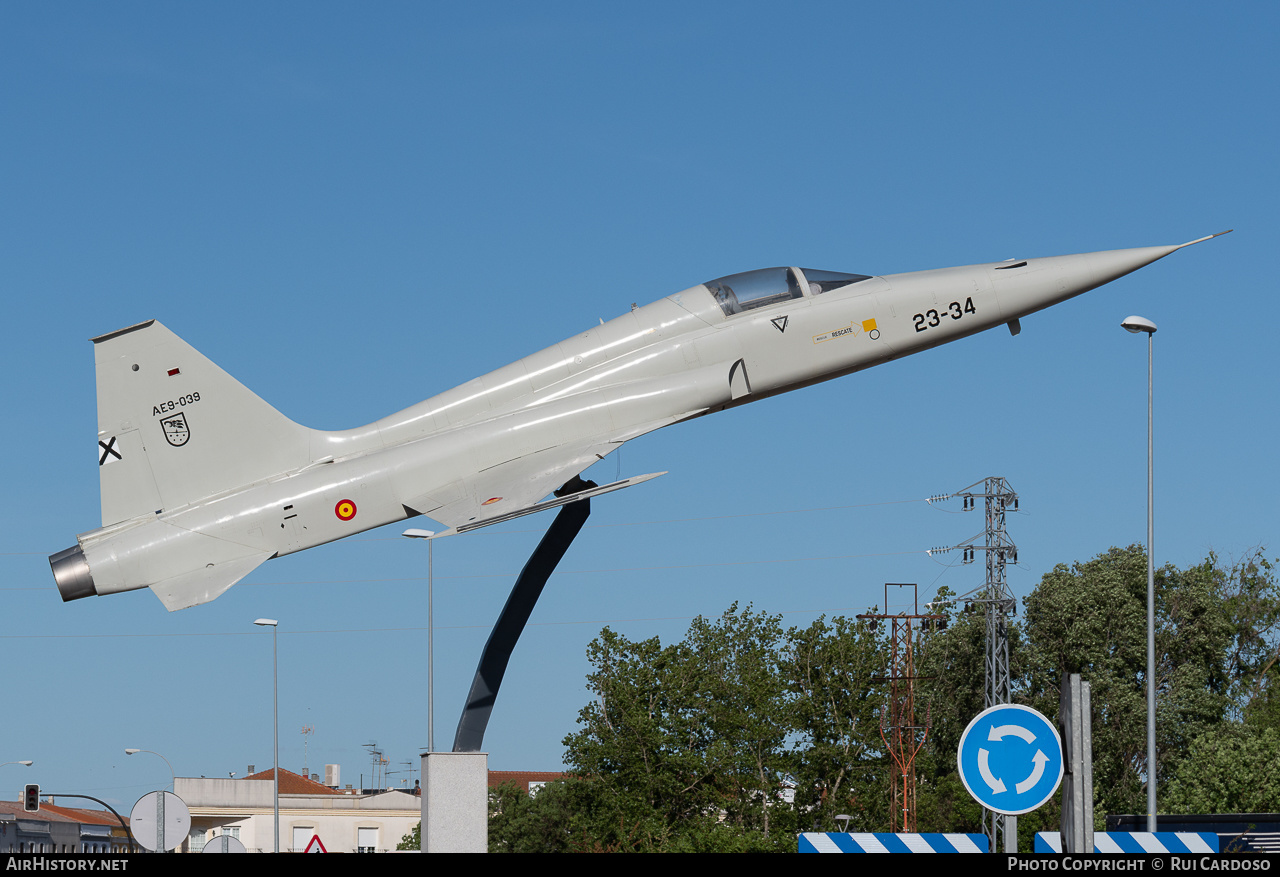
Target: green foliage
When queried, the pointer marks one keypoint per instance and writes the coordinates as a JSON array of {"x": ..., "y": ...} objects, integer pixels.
[
  {"x": 951, "y": 663},
  {"x": 642, "y": 740},
  {"x": 689, "y": 746},
  {"x": 576, "y": 816},
  {"x": 562, "y": 817},
  {"x": 1215, "y": 631},
  {"x": 742, "y": 712},
  {"x": 412, "y": 840},
  {"x": 835, "y": 758},
  {"x": 1236, "y": 770},
  {"x": 1251, "y": 598},
  {"x": 1216, "y": 637},
  {"x": 681, "y": 732},
  {"x": 1090, "y": 618},
  {"x": 943, "y": 804}
]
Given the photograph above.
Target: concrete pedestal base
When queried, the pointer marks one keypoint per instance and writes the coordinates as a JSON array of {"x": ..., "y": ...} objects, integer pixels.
[{"x": 455, "y": 802}]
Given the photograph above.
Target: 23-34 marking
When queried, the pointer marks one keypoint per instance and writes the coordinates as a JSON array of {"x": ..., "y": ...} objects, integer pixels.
[{"x": 955, "y": 311}]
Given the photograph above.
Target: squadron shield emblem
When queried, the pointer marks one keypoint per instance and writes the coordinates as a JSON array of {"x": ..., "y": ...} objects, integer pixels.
[{"x": 176, "y": 431}]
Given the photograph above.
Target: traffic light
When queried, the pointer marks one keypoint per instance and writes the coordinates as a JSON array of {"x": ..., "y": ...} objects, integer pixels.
[{"x": 31, "y": 798}]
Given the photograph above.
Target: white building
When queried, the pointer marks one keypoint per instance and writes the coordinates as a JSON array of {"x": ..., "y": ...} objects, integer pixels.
[{"x": 345, "y": 821}]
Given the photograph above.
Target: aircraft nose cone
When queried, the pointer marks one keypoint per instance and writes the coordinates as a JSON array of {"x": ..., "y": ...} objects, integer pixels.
[
  {"x": 1058, "y": 278},
  {"x": 1088, "y": 270},
  {"x": 1080, "y": 273}
]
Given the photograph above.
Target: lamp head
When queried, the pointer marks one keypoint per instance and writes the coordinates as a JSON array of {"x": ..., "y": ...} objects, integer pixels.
[{"x": 1138, "y": 324}]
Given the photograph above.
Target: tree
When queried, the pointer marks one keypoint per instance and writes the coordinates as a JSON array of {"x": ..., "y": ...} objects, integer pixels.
[
  {"x": 563, "y": 817},
  {"x": 1237, "y": 770},
  {"x": 1215, "y": 634},
  {"x": 1233, "y": 765},
  {"x": 640, "y": 741},
  {"x": 1251, "y": 598},
  {"x": 742, "y": 706},
  {"x": 837, "y": 759},
  {"x": 412, "y": 840},
  {"x": 686, "y": 746},
  {"x": 951, "y": 662},
  {"x": 1090, "y": 619},
  {"x": 1216, "y": 638}
]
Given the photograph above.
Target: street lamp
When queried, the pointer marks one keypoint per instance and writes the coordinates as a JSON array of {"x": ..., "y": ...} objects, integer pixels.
[
  {"x": 1138, "y": 324},
  {"x": 27, "y": 763},
  {"x": 275, "y": 708},
  {"x": 172, "y": 775},
  {"x": 431, "y": 732}
]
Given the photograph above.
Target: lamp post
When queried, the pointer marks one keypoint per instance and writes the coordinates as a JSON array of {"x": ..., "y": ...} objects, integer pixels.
[
  {"x": 173, "y": 776},
  {"x": 1138, "y": 324},
  {"x": 27, "y": 763},
  {"x": 275, "y": 709},
  {"x": 431, "y": 732}
]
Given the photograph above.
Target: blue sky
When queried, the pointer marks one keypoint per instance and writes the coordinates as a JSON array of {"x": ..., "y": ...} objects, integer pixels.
[{"x": 352, "y": 208}]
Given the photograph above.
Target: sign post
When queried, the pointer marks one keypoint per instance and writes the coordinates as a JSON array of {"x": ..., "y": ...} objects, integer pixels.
[{"x": 1010, "y": 759}]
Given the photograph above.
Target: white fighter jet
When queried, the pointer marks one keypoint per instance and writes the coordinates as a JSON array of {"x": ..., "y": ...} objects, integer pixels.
[{"x": 202, "y": 480}]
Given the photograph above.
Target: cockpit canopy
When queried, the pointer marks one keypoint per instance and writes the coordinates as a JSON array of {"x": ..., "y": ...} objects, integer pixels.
[{"x": 757, "y": 289}]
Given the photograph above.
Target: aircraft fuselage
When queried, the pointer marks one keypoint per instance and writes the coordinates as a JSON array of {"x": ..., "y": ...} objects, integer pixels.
[{"x": 233, "y": 483}]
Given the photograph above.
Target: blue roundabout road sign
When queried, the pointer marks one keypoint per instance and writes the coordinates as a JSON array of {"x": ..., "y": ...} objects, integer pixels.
[{"x": 1010, "y": 759}]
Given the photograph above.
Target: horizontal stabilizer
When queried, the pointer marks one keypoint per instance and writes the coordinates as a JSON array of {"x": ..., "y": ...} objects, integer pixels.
[
  {"x": 551, "y": 504},
  {"x": 205, "y": 584}
]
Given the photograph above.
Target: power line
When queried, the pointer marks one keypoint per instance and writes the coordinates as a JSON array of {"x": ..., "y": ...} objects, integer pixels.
[
  {"x": 330, "y": 632},
  {"x": 558, "y": 572}
]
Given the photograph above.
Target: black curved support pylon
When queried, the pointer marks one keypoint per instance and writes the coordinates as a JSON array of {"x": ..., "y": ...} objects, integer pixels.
[{"x": 515, "y": 614}]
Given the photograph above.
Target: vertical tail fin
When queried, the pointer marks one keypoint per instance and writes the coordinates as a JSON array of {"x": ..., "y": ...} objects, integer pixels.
[{"x": 174, "y": 428}]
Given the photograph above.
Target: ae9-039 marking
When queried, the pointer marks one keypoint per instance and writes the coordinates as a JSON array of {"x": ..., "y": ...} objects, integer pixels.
[
  {"x": 954, "y": 311},
  {"x": 174, "y": 404}
]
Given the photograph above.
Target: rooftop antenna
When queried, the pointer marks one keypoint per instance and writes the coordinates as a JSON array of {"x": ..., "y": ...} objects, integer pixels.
[
  {"x": 307, "y": 731},
  {"x": 375, "y": 756}
]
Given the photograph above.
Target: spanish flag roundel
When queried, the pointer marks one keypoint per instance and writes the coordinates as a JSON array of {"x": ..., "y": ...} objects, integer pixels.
[{"x": 345, "y": 510}]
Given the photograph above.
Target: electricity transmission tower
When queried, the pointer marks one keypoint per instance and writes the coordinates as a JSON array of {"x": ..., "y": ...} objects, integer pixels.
[
  {"x": 997, "y": 602},
  {"x": 899, "y": 728}
]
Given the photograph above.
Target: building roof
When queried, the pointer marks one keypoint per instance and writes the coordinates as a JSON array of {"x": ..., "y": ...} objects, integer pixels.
[
  {"x": 58, "y": 813},
  {"x": 47, "y": 813},
  {"x": 87, "y": 817},
  {"x": 294, "y": 784},
  {"x": 523, "y": 778}
]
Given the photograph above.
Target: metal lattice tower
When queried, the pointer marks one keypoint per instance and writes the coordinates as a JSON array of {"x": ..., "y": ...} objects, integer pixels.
[
  {"x": 903, "y": 735},
  {"x": 998, "y": 605}
]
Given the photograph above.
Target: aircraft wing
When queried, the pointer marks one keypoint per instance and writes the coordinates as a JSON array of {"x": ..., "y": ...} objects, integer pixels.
[
  {"x": 512, "y": 488},
  {"x": 555, "y": 503},
  {"x": 509, "y": 486}
]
